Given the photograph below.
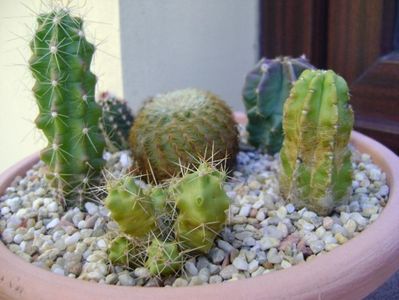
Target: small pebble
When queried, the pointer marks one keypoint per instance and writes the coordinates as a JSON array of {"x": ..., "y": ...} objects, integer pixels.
[
  {"x": 180, "y": 282},
  {"x": 191, "y": 268},
  {"x": 125, "y": 279},
  {"x": 240, "y": 263},
  {"x": 227, "y": 272}
]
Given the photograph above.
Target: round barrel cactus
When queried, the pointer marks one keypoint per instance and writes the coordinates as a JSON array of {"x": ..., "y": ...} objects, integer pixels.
[{"x": 181, "y": 128}]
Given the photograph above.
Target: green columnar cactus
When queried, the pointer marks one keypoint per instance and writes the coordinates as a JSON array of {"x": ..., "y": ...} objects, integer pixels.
[
  {"x": 201, "y": 202},
  {"x": 163, "y": 258},
  {"x": 131, "y": 208},
  {"x": 116, "y": 121},
  {"x": 265, "y": 91},
  {"x": 178, "y": 128},
  {"x": 64, "y": 90},
  {"x": 315, "y": 160}
]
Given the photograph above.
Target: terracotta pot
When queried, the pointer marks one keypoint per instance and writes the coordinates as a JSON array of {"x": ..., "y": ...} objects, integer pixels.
[{"x": 350, "y": 271}]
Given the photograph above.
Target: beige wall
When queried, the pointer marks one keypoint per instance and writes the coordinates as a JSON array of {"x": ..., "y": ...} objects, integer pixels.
[{"x": 19, "y": 137}]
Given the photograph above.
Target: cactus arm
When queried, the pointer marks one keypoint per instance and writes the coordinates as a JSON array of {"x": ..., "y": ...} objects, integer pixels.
[
  {"x": 131, "y": 209},
  {"x": 163, "y": 258},
  {"x": 201, "y": 203}
]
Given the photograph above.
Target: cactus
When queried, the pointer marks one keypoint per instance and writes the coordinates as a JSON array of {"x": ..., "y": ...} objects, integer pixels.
[
  {"x": 163, "y": 258},
  {"x": 131, "y": 208},
  {"x": 176, "y": 129},
  {"x": 64, "y": 90},
  {"x": 315, "y": 160},
  {"x": 182, "y": 219},
  {"x": 119, "y": 251},
  {"x": 116, "y": 121},
  {"x": 201, "y": 202},
  {"x": 265, "y": 91}
]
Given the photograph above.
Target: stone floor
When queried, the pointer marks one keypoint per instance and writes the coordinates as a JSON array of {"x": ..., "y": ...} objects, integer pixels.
[{"x": 388, "y": 291}]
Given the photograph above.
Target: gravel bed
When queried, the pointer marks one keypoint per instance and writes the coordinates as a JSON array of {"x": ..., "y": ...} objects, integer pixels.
[{"x": 263, "y": 234}]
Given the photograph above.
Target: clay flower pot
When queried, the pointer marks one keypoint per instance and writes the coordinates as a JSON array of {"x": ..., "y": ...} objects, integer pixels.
[{"x": 350, "y": 271}]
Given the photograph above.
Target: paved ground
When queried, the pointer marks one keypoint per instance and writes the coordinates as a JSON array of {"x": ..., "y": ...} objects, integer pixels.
[{"x": 388, "y": 291}]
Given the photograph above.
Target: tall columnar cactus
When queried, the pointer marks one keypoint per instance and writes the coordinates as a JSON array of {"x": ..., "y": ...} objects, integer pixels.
[
  {"x": 315, "y": 160},
  {"x": 131, "y": 208},
  {"x": 201, "y": 202},
  {"x": 64, "y": 90},
  {"x": 116, "y": 121},
  {"x": 178, "y": 128},
  {"x": 265, "y": 91}
]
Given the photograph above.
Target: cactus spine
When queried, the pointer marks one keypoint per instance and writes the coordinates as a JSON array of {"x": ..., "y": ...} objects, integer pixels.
[
  {"x": 179, "y": 128},
  {"x": 116, "y": 121},
  {"x": 315, "y": 160},
  {"x": 265, "y": 91},
  {"x": 131, "y": 208},
  {"x": 163, "y": 258},
  {"x": 64, "y": 90},
  {"x": 182, "y": 218}
]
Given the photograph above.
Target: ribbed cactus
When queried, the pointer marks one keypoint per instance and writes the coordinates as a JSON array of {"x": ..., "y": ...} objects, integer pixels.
[
  {"x": 201, "y": 202},
  {"x": 64, "y": 90},
  {"x": 131, "y": 208},
  {"x": 315, "y": 160},
  {"x": 265, "y": 91},
  {"x": 180, "y": 127},
  {"x": 116, "y": 121}
]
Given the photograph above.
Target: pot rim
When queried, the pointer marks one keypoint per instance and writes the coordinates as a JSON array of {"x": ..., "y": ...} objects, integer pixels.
[{"x": 350, "y": 271}]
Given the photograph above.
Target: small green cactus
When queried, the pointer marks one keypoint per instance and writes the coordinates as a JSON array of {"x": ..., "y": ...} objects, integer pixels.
[
  {"x": 116, "y": 121},
  {"x": 265, "y": 91},
  {"x": 131, "y": 208},
  {"x": 119, "y": 251},
  {"x": 163, "y": 258},
  {"x": 202, "y": 203},
  {"x": 64, "y": 91},
  {"x": 316, "y": 167},
  {"x": 176, "y": 129},
  {"x": 175, "y": 221}
]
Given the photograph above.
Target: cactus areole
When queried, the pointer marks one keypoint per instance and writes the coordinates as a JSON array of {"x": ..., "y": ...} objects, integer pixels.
[
  {"x": 265, "y": 91},
  {"x": 64, "y": 91},
  {"x": 180, "y": 128},
  {"x": 316, "y": 169}
]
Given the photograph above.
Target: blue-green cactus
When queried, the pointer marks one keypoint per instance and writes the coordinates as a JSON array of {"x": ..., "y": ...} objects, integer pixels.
[{"x": 265, "y": 91}]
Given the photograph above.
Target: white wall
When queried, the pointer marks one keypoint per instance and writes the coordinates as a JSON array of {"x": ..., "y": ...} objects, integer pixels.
[{"x": 166, "y": 45}]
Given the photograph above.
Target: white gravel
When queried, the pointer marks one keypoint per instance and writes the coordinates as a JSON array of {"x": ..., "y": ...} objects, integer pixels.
[{"x": 263, "y": 233}]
